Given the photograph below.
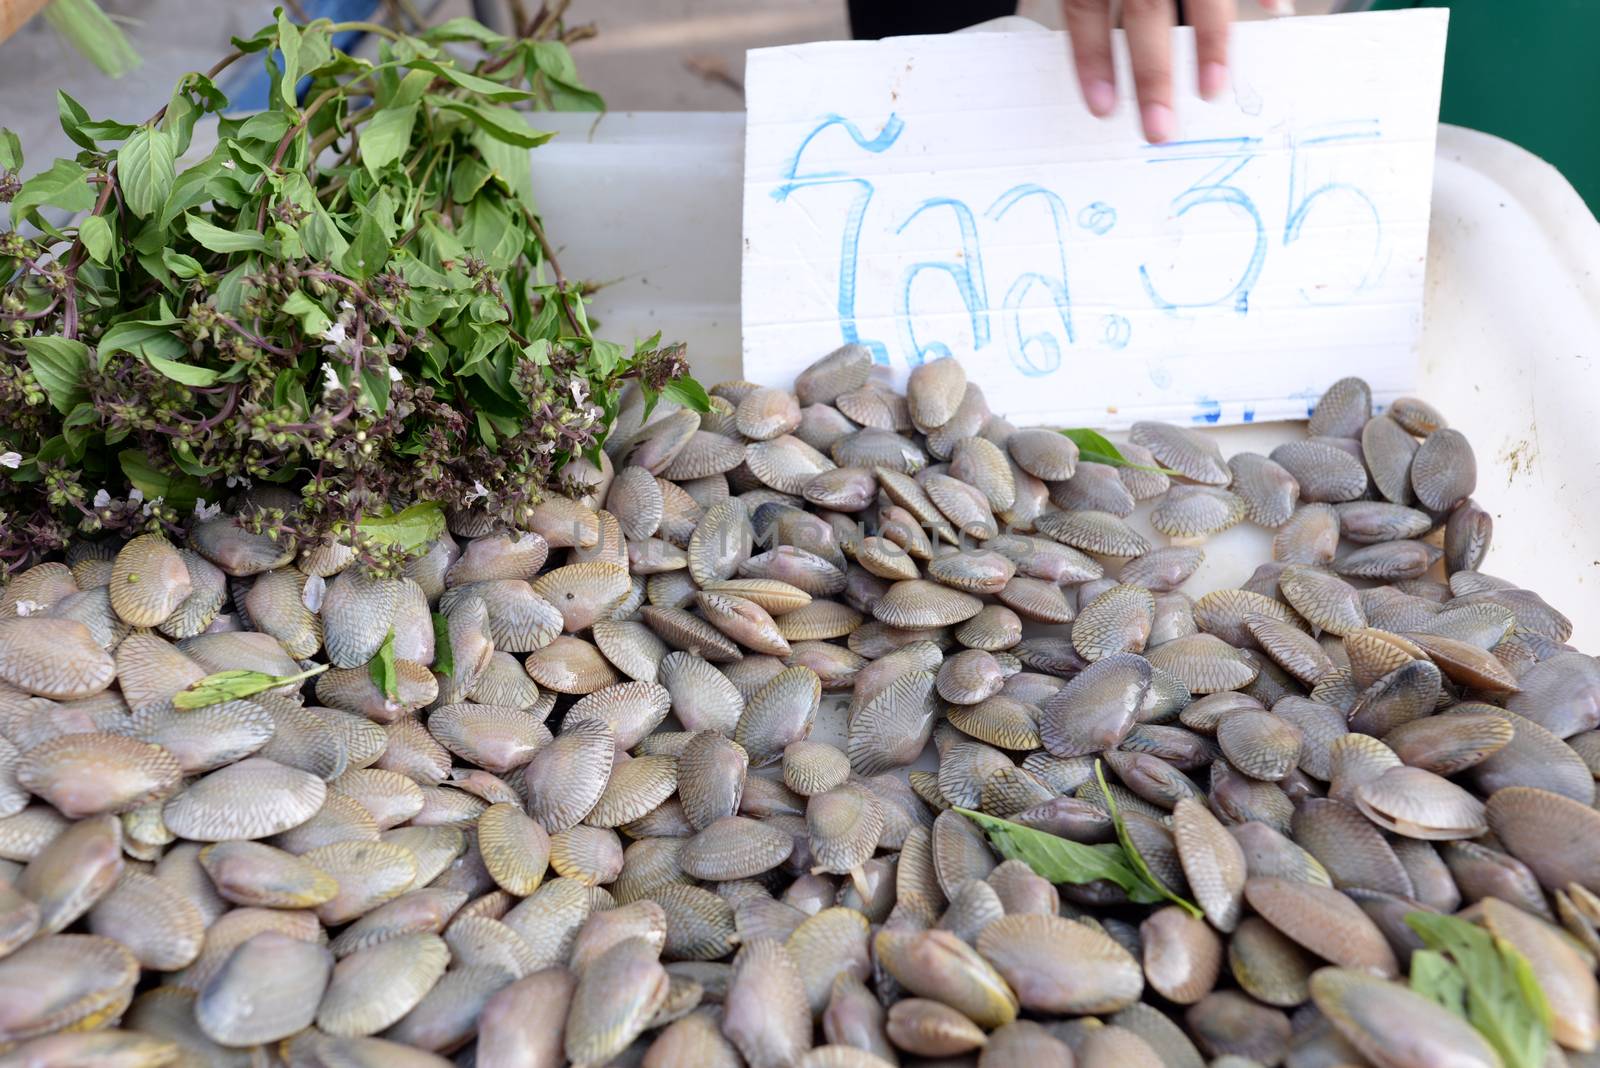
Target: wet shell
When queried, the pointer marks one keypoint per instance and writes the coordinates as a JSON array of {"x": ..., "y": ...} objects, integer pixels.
[
  {"x": 814, "y": 767},
  {"x": 251, "y": 799},
  {"x": 1311, "y": 536},
  {"x": 1325, "y": 600},
  {"x": 376, "y": 986},
  {"x": 357, "y": 614},
  {"x": 891, "y": 727},
  {"x": 635, "y": 788},
  {"x": 1197, "y": 511},
  {"x": 735, "y": 847},
  {"x": 1419, "y": 804},
  {"x": 780, "y": 712},
  {"x": 567, "y": 776},
  {"x": 247, "y": 1002},
  {"x": 744, "y": 621},
  {"x": 1192, "y": 455},
  {"x": 583, "y": 592},
  {"x": 585, "y": 854},
  {"x": 632, "y": 648},
  {"x": 367, "y": 875},
  {"x": 250, "y": 873},
  {"x": 1094, "y": 487},
  {"x": 1394, "y": 1025},
  {"x": 1182, "y": 955},
  {"x": 1203, "y": 663},
  {"x": 495, "y": 737},
  {"x": 1323, "y": 921},
  {"x": 919, "y": 603},
  {"x": 1094, "y": 532},
  {"x": 1117, "y": 621},
  {"x": 968, "y": 677},
  {"x": 1444, "y": 471},
  {"x": 844, "y": 369},
  {"x": 148, "y": 581},
  {"x": 569, "y": 665},
  {"x": 162, "y": 930},
  {"x": 1270, "y": 492},
  {"x": 519, "y": 620},
  {"x": 1325, "y": 472},
  {"x": 785, "y": 463},
  {"x": 56, "y": 658},
  {"x": 1213, "y": 862},
  {"x": 844, "y": 824},
  {"x": 63, "y": 981},
  {"x": 86, "y": 774},
  {"x": 1058, "y": 966}
]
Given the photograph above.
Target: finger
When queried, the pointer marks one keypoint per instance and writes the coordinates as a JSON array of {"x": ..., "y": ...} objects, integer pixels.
[
  {"x": 1089, "y": 27},
  {"x": 1211, "y": 20},
  {"x": 1149, "y": 25}
]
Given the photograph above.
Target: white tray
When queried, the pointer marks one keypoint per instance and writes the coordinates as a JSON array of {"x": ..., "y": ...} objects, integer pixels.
[{"x": 651, "y": 203}]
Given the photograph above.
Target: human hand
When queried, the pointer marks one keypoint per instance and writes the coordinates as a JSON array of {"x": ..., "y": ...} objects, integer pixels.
[{"x": 1149, "y": 27}]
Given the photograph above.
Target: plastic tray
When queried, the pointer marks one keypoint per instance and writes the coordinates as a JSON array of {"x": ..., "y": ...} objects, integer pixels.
[{"x": 651, "y": 202}]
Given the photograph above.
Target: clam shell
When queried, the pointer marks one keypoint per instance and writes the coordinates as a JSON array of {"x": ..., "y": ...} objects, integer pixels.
[
  {"x": 1323, "y": 921},
  {"x": 635, "y": 788},
  {"x": 1310, "y": 536},
  {"x": 1203, "y": 663},
  {"x": 1044, "y": 454},
  {"x": 374, "y": 987},
  {"x": 1197, "y": 511},
  {"x": 701, "y": 696},
  {"x": 237, "y": 551},
  {"x": 569, "y": 665},
  {"x": 247, "y": 1003},
  {"x": 735, "y": 847},
  {"x": 1058, "y": 966},
  {"x": 64, "y": 981},
  {"x": 495, "y": 737},
  {"x": 519, "y": 620},
  {"x": 844, "y": 369},
  {"x": 357, "y": 614},
  {"x": 1182, "y": 955},
  {"x": 1342, "y": 410},
  {"x": 983, "y": 465},
  {"x": 1163, "y": 570},
  {"x": 1419, "y": 804},
  {"x": 934, "y": 390},
  {"x": 87, "y": 774},
  {"x": 583, "y": 592},
  {"x": 251, "y": 873},
  {"x": 1093, "y": 487},
  {"x": 1324, "y": 471},
  {"x": 1444, "y": 471},
  {"x": 1095, "y": 532},
  {"x": 1270, "y": 493},
  {"x": 1116, "y": 621},
  {"x": 1379, "y": 1018},
  {"x": 164, "y": 932},
  {"x": 814, "y": 767},
  {"x": 567, "y": 776},
  {"x": 56, "y": 658},
  {"x": 1192, "y": 455},
  {"x": 1325, "y": 600},
  {"x": 148, "y": 581},
  {"x": 251, "y": 799},
  {"x": 780, "y": 712}
]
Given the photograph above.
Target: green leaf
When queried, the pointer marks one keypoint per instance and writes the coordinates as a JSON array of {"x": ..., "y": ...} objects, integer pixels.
[
  {"x": 95, "y": 233},
  {"x": 386, "y": 137},
  {"x": 10, "y": 150},
  {"x": 1437, "y": 979},
  {"x": 93, "y": 35},
  {"x": 503, "y": 124},
  {"x": 65, "y": 185},
  {"x": 444, "y": 658},
  {"x": 463, "y": 29},
  {"x": 1132, "y": 852},
  {"x": 313, "y": 319},
  {"x": 289, "y": 45},
  {"x": 1504, "y": 1000},
  {"x": 235, "y": 686},
  {"x": 689, "y": 393},
  {"x": 73, "y": 116},
  {"x": 217, "y": 239},
  {"x": 510, "y": 164},
  {"x": 553, "y": 62},
  {"x": 188, "y": 374},
  {"x": 1095, "y": 448},
  {"x": 145, "y": 169},
  {"x": 181, "y": 264},
  {"x": 177, "y": 490},
  {"x": 79, "y": 426},
  {"x": 383, "y": 669},
  {"x": 409, "y": 529},
  {"x": 1060, "y": 860},
  {"x": 149, "y": 337},
  {"x": 496, "y": 91},
  {"x": 265, "y": 126},
  {"x": 59, "y": 365}
]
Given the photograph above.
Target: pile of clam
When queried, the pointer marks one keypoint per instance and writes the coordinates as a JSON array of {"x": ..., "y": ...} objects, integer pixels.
[{"x": 682, "y": 790}]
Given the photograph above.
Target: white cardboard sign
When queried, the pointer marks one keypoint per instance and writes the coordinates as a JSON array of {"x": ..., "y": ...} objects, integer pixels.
[{"x": 927, "y": 196}]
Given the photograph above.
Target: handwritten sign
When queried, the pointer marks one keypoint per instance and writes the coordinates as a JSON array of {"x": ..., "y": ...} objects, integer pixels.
[{"x": 932, "y": 196}]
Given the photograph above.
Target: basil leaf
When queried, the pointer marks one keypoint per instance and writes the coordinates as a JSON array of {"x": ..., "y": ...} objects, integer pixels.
[
  {"x": 235, "y": 686},
  {"x": 59, "y": 365},
  {"x": 217, "y": 239},
  {"x": 444, "y": 658},
  {"x": 145, "y": 169},
  {"x": 1135, "y": 860},
  {"x": 177, "y": 490},
  {"x": 95, "y": 233},
  {"x": 188, "y": 374},
  {"x": 10, "y": 150},
  {"x": 386, "y": 137},
  {"x": 1437, "y": 979},
  {"x": 501, "y": 123},
  {"x": 689, "y": 393},
  {"x": 409, "y": 529},
  {"x": 383, "y": 671},
  {"x": 65, "y": 185},
  {"x": 1060, "y": 860}
]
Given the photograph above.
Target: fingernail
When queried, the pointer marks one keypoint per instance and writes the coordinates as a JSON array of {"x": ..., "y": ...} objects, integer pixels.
[
  {"x": 1213, "y": 80},
  {"x": 1101, "y": 96},
  {"x": 1157, "y": 119}
]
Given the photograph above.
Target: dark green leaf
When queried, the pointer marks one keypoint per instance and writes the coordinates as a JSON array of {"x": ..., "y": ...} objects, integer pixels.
[
  {"x": 59, "y": 365},
  {"x": 444, "y": 661},
  {"x": 508, "y": 163},
  {"x": 313, "y": 319},
  {"x": 95, "y": 233},
  {"x": 1060, "y": 860},
  {"x": 289, "y": 47},
  {"x": 552, "y": 61},
  {"x": 689, "y": 393},
  {"x": 189, "y": 190},
  {"x": 483, "y": 87},
  {"x": 1504, "y": 1001},
  {"x": 177, "y": 490},
  {"x": 1135, "y": 859},
  {"x": 409, "y": 529},
  {"x": 181, "y": 264},
  {"x": 375, "y": 382},
  {"x": 265, "y": 126},
  {"x": 217, "y": 239},
  {"x": 235, "y": 686},
  {"x": 386, "y": 137},
  {"x": 65, "y": 185},
  {"x": 383, "y": 670},
  {"x": 188, "y": 374},
  {"x": 145, "y": 171},
  {"x": 1095, "y": 448},
  {"x": 79, "y": 426},
  {"x": 501, "y": 123}
]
